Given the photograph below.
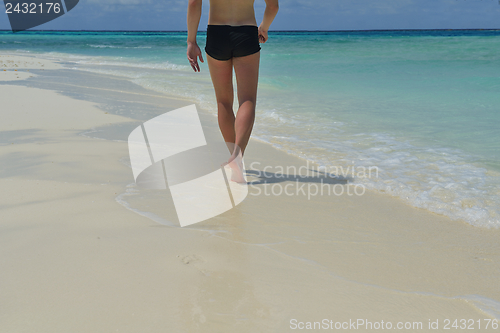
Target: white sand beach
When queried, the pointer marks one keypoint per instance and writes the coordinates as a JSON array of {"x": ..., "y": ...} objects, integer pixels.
[{"x": 75, "y": 259}]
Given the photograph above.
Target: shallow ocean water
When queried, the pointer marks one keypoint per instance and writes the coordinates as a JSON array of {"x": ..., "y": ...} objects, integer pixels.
[{"x": 422, "y": 107}]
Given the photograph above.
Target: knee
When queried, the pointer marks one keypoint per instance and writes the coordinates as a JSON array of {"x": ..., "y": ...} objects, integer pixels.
[
  {"x": 225, "y": 107},
  {"x": 248, "y": 103}
]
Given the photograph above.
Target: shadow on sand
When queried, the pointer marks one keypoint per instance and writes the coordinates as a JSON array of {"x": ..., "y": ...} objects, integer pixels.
[{"x": 312, "y": 176}]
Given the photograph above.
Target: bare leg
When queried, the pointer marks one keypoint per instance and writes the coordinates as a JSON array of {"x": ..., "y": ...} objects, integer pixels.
[
  {"x": 247, "y": 77},
  {"x": 221, "y": 73},
  {"x": 236, "y": 130}
]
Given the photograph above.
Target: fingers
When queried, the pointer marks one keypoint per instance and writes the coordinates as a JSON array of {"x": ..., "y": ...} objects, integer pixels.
[
  {"x": 194, "y": 63},
  {"x": 196, "y": 52},
  {"x": 262, "y": 36},
  {"x": 195, "y": 66}
]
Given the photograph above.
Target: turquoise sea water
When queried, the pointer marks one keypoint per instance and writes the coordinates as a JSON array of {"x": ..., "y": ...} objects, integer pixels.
[{"x": 421, "y": 106}]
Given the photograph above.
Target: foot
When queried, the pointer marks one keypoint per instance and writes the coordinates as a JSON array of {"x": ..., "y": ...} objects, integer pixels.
[{"x": 237, "y": 169}]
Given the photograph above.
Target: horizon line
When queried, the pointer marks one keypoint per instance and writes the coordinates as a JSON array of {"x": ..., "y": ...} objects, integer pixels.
[{"x": 360, "y": 30}]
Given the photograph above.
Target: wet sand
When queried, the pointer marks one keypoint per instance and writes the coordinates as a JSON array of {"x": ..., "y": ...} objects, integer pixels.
[{"x": 85, "y": 250}]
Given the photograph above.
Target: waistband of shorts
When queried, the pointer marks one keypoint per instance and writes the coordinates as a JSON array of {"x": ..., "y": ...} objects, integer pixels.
[{"x": 227, "y": 26}]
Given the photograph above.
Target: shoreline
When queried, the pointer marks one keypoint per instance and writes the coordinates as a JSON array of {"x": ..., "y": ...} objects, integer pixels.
[
  {"x": 441, "y": 179},
  {"x": 74, "y": 254}
]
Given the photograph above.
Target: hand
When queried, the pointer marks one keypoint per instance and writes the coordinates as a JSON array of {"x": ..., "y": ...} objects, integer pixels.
[
  {"x": 262, "y": 35},
  {"x": 193, "y": 53}
]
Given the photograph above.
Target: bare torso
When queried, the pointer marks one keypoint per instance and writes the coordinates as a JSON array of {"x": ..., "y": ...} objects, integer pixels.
[{"x": 231, "y": 12}]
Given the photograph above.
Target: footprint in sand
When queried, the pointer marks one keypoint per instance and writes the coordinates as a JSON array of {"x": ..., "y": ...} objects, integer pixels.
[{"x": 195, "y": 261}]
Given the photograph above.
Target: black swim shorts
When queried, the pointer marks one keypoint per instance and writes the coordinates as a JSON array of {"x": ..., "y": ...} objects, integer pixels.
[{"x": 225, "y": 41}]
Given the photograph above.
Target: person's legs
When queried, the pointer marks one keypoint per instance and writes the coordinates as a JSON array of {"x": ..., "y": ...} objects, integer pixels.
[
  {"x": 221, "y": 73},
  {"x": 247, "y": 75},
  {"x": 236, "y": 130}
]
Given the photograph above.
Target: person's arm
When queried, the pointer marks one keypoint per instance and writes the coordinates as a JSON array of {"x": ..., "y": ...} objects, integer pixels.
[
  {"x": 193, "y": 20},
  {"x": 269, "y": 15}
]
